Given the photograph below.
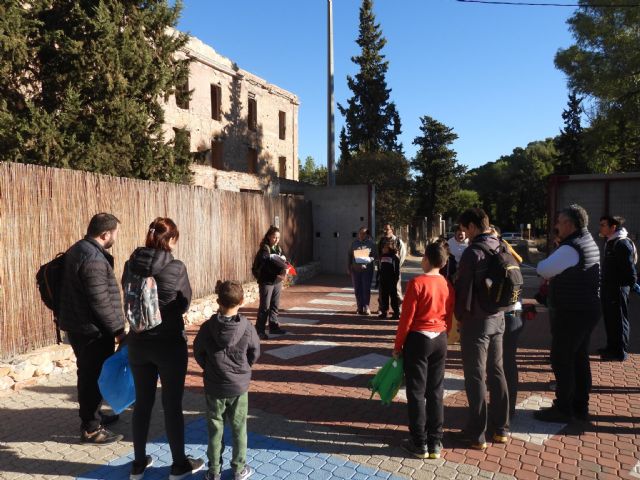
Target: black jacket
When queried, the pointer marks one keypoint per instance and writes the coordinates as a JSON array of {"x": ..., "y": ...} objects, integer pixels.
[
  {"x": 471, "y": 275},
  {"x": 90, "y": 300},
  {"x": 389, "y": 269},
  {"x": 578, "y": 288},
  {"x": 226, "y": 349},
  {"x": 618, "y": 265},
  {"x": 174, "y": 289},
  {"x": 271, "y": 270}
]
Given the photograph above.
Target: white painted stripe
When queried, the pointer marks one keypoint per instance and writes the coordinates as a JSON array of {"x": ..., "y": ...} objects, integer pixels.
[
  {"x": 296, "y": 321},
  {"x": 453, "y": 383},
  {"x": 329, "y": 301},
  {"x": 526, "y": 428},
  {"x": 304, "y": 348},
  {"x": 341, "y": 295},
  {"x": 635, "y": 471},
  {"x": 314, "y": 311},
  {"x": 356, "y": 366},
  {"x": 350, "y": 289}
]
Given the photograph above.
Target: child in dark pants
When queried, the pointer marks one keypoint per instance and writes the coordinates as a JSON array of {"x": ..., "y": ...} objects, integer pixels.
[
  {"x": 389, "y": 274},
  {"x": 226, "y": 347},
  {"x": 422, "y": 341}
]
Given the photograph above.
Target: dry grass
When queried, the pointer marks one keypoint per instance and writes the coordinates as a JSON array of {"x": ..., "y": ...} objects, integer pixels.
[{"x": 44, "y": 210}]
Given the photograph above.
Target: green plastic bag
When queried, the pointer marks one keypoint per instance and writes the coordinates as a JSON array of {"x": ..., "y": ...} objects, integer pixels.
[{"x": 388, "y": 380}]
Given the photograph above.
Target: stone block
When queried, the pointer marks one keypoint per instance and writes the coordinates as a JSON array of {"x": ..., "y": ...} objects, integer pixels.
[
  {"x": 6, "y": 383},
  {"x": 4, "y": 370},
  {"x": 22, "y": 371},
  {"x": 42, "y": 370},
  {"x": 39, "y": 358},
  {"x": 30, "y": 382}
]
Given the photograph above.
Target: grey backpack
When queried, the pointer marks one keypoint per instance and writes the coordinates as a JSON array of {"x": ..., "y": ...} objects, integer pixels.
[{"x": 141, "y": 305}]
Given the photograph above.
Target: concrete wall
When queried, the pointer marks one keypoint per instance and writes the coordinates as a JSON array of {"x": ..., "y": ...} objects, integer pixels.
[
  {"x": 338, "y": 213},
  {"x": 616, "y": 194},
  {"x": 209, "y": 68}
]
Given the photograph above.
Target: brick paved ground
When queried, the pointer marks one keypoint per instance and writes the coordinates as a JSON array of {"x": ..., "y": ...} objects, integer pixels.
[{"x": 308, "y": 423}]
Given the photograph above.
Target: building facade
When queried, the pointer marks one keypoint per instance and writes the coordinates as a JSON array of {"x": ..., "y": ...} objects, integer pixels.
[{"x": 234, "y": 120}]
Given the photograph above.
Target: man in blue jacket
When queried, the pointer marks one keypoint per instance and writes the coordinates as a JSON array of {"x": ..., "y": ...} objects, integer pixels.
[
  {"x": 619, "y": 275},
  {"x": 91, "y": 314}
]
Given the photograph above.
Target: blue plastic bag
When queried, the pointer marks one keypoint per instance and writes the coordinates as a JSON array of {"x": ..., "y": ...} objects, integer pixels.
[{"x": 116, "y": 381}]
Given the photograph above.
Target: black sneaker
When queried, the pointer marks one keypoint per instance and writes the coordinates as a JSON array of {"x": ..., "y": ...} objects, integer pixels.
[
  {"x": 212, "y": 476},
  {"x": 382, "y": 315},
  {"x": 263, "y": 336},
  {"x": 191, "y": 466},
  {"x": 415, "y": 450},
  {"x": 106, "y": 419},
  {"x": 553, "y": 415},
  {"x": 101, "y": 436},
  {"x": 276, "y": 330},
  {"x": 137, "y": 469},
  {"x": 395, "y": 316},
  {"x": 243, "y": 474},
  {"x": 435, "y": 450}
]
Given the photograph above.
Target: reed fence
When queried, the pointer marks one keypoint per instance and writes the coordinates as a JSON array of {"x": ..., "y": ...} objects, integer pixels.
[{"x": 43, "y": 211}]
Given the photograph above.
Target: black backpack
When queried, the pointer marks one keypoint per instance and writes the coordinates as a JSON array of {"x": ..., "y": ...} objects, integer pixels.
[
  {"x": 256, "y": 267},
  {"x": 49, "y": 280},
  {"x": 500, "y": 285}
]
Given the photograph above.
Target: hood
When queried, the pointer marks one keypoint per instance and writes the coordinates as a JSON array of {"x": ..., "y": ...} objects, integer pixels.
[
  {"x": 227, "y": 332},
  {"x": 491, "y": 241},
  {"x": 619, "y": 233},
  {"x": 148, "y": 262}
]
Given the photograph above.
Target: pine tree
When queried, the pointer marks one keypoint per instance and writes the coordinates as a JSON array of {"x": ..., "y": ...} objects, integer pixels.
[
  {"x": 18, "y": 77},
  {"x": 569, "y": 144},
  {"x": 603, "y": 66},
  {"x": 103, "y": 66},
  {"x": 438, "y": 172},
  {"x": 371, "y": 119}
]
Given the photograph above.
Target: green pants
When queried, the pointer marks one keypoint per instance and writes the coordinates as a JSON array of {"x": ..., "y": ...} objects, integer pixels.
[{"x": 234, "y": 411}]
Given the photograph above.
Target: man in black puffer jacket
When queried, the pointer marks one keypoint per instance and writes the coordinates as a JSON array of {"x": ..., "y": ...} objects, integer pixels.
[
  {"x": 91, "y": 314},
  {"x": 573, "y": 271}
]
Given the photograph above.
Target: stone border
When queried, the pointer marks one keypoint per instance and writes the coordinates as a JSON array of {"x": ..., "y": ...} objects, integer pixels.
[{"x": 37, "y": 366}]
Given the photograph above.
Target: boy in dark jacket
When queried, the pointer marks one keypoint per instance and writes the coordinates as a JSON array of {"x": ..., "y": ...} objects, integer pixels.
[
  {"x": 388, "y": 274},
  {"x": 226, "y": 347}
]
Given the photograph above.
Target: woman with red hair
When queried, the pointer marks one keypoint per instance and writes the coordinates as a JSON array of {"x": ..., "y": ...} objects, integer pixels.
[{"x": 159, "y": 346}]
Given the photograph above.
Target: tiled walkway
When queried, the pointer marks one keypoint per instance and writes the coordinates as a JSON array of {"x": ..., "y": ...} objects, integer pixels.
[{"x": 311, "y": 415}]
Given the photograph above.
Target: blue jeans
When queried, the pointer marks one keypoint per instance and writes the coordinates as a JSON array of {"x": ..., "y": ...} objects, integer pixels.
[{"x": 361, "y": 280}]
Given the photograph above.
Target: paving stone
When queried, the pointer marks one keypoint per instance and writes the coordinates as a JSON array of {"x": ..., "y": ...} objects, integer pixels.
[
  {"x": 356, "y": 366},
  {"x": 304, "y": 348}
]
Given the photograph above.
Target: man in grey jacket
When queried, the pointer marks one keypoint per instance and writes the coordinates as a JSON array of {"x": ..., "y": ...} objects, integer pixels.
[
  {"x": 481, "y": 332},
  {"x": 91, "y": 314}
]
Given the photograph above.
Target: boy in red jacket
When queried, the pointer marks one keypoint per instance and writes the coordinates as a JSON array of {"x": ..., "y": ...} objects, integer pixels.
[{"x": 422, "y": 341}]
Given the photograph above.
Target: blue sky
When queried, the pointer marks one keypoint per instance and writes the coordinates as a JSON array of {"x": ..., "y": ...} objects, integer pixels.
[{"x": 486, "y": 71}]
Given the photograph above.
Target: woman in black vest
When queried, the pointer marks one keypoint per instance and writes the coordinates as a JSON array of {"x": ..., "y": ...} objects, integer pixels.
[
  {"x": 161, "y": 350},
  {"x": 270, "y": 270}
]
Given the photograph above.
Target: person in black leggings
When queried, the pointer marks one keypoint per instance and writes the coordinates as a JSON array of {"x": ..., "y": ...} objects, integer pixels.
[{"x": 160, "y": 350}]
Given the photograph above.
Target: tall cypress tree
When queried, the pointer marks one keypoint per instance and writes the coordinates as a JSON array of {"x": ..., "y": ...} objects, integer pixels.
[
  {"x": 569, "y": 144},
  {"x": 438, "y": 172},
  {"x": 372, "y": 121},
  {"x": 103, "y": 67}
]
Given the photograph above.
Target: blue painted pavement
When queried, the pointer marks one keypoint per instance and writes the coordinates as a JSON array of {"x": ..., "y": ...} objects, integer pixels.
[{"x": 271, "y": 459}]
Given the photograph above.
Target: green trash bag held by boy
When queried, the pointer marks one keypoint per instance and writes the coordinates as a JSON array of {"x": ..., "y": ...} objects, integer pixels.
[{"x": 388, "y": 380}]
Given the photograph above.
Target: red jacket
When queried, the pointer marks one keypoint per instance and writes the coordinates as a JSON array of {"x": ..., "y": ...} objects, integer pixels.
[{"x": 427, "y": 306}]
